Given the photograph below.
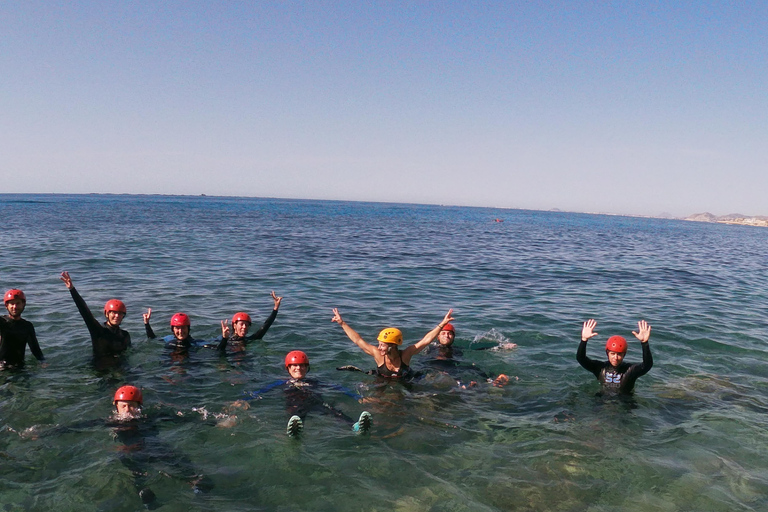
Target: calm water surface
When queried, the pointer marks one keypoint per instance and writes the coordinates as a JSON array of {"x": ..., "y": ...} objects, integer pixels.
[{"x": 693, "y": 437}]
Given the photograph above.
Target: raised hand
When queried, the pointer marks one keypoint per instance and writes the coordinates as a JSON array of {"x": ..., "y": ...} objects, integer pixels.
[
  {"x": 147, "y": 315},
  {"x": 225, "y": 329},
  {"x": 277, "y": 300},
  {"x": 67, "y": 280},
  {"x": 587, "y": 331},
  {"x": 337, "y": 317},
  {"x": 448, "y": 318},
  {"x": 644, "y": 331}
]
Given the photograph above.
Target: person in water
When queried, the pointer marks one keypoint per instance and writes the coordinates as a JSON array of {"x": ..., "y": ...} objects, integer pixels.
[
  {"x": 107, "y": 339},
  {"x": 391, "y": 362},
  {"x": 443, "y": 353},
  {"x": 241, "y": 323},
  {"x": 615, "y": 374},
  {"x": 181, "y": 339},
  {"x": 302, "y": 396},
  {"x": 16, "y": 333},
  {"x": 141, "y": 447}
]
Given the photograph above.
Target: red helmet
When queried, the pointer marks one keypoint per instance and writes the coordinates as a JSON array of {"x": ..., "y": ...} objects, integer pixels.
[
  {"x": 616, "y": 344},
  {"x": 448, "y": 327},
  {"x": 114, "y": 305},
  {"x": 296, "y": 357},
  {"x": 13, "y": 295},
  {"x": 241, "y": 317},
  {"x": 179, "y": 320},
  {"x": 128, "y": 394}
]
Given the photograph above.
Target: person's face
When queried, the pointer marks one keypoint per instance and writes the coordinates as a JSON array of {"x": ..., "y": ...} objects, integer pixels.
[
  {"x": 298, "y": 371},
  {"x": 446, "y": 338},
  {"x": 114, "y": 317},
  {"x": 15, "y": 307},
  {"x": 615, "y": 358},
  {"x": 180, "y": 332},
  {"x": 385, "y": 348},
  {"x": 127, "y": 409},
  {"x": 241, "y": 328}
]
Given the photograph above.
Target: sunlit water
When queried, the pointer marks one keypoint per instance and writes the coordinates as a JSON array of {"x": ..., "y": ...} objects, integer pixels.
[{"x": 693, "y": 437}]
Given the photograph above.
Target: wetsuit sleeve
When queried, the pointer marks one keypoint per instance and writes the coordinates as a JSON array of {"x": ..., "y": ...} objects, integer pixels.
[
  {"x": 587, "y": 363},
  {"x": 90, "y": 321},
  {"x": 264, "y": 328},
  {"x": 34, "y": 346},
  {"x": 250, "y": 395},
  {"x": 221, "y": 345},
  {"x": 640, "y": 369},
  {"x": 149, "y": 331}
]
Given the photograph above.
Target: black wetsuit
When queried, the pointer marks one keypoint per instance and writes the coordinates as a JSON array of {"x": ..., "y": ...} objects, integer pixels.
[
  {"x": 622, "y": 378},
  {"x": 15, "y": 335},
  {"x": 403, "y": 373},
  {"x": 106, "y": 340},
  {"x": 302, "y": 396},
  {"x": 241, "y": 341}
]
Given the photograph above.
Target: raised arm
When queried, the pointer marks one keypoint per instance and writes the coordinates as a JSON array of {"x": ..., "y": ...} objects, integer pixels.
[
  {"x": 427, "y": 339},
  {"x": 148, "y": 328},
  {"x": 352, "y": 334},
  {"x": 587, "y": 332},
  {"x": 82, "y": 307},
  {"x": 268, "y": 322}
]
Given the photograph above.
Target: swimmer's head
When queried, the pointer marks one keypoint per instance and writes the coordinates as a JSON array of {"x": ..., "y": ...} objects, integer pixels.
[
  {"x": 115, "y": 311},
  {"x": 127, "y": 401},
  {"x": 180, "y": 325},
  {"x": 241, "y": 322},
  {"x": 297, "y": 364},
  {"x": 616, "y": 349},
  {"x": 447, "y": 335},
  {"x": 15, "y": 302}
]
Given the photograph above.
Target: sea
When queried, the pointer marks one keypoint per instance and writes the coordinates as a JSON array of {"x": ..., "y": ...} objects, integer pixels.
[{"x": 692, "y": 437}]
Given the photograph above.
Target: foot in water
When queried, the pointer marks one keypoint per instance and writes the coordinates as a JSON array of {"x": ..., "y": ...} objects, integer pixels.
[
  {"x": 295, "y": 426},
  {"x": 363, "y": 425}
]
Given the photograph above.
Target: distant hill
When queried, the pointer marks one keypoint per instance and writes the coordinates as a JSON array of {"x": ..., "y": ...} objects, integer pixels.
[{"x": 731, "y": 218}]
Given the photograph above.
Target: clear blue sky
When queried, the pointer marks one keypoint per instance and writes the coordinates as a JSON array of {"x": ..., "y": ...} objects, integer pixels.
[{"x": 621, "y": 107}]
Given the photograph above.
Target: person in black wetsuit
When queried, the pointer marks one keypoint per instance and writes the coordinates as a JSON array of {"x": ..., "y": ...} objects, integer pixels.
[
  {"x": 391, "y": 362},
  {"x": 108, "y": 339},
  {"x": 16, "y": 333},
  {"x": 302, "y": 395},
  {"x": 616, "y": 375},
  {"x": 140, "y": 449},
  {"x": 241, "y": 323}
]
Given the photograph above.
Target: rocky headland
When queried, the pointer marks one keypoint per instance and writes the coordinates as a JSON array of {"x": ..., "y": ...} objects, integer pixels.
[{"x": 733, "y": 218}]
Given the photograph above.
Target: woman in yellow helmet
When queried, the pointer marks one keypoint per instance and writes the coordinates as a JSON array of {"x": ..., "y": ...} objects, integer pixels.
[{"x": 391, "y": 362}]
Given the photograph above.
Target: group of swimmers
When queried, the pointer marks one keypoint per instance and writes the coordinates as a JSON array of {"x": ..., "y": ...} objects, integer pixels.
[{"x": 391, "y": 362}]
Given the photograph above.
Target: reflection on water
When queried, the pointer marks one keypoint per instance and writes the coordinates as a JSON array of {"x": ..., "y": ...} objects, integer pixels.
[{"x": 691, "y": 438}]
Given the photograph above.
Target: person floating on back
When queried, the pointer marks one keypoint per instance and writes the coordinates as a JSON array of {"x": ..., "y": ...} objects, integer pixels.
[
  {"x": 615, "y": 374},
  {"x": 107, "y": 339},
  {"x": 391, "y": 362},
  {"x": 301, "y": 396},
  {"x": 241, "y": 323},
  {"x": 16, "y": 333}
]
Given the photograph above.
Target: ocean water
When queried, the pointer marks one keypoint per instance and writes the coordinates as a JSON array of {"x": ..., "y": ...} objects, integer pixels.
[{"x": 693, "y": 437}]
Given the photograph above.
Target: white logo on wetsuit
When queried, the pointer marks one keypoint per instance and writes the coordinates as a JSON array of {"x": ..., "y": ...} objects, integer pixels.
[{"x": 613, "y": 378}]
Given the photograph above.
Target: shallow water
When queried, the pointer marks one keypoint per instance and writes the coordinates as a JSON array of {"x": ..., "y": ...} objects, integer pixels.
[{"x": 691, "y": 438}]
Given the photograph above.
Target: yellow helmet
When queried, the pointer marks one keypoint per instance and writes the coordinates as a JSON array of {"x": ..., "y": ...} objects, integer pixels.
[{"x": 391, "y": 335}]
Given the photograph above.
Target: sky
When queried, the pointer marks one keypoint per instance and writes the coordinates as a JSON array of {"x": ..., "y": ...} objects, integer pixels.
[{"x": 625, "y": 107}]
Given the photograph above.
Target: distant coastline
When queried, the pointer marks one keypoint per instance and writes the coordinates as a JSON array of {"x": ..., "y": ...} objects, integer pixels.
[{"x": 733, "y": 218}]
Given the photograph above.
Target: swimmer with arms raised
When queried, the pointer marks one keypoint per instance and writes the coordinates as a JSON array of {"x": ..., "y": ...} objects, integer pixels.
[
  {"x": 107, "y": 339},
  {"x": 615, "y": 374},
  {"x": 391, "y": 362}
]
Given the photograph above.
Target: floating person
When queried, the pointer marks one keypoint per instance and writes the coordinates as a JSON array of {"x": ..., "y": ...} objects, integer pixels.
[
  {"x": 615, "y": 374},
  {"x": 443, "y": 355},
  {"x": 391, "y": 362},
  {"x": 16, "y": 333},
  {"x": 302, "y": 396},
  {"x": 108, "y": 339},
  {"x": 241, "y": 322}
]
